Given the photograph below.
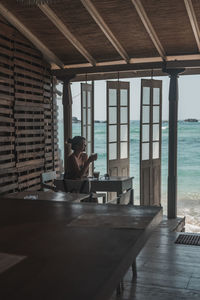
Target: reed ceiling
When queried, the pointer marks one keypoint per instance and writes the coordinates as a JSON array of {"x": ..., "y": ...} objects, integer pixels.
[{"x": 92, "y": 33}]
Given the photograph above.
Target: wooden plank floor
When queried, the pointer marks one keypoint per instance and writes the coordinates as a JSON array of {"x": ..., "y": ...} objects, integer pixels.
[{"x": 165, "y": 270}]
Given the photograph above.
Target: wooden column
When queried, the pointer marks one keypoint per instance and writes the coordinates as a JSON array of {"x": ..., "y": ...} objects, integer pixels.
[
  {"x": 172, "y": 140},
  {"x": 67, "y": 118}
]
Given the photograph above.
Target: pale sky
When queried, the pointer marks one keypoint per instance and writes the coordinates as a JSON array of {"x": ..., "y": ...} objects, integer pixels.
[{"x": 189, "y": 98}]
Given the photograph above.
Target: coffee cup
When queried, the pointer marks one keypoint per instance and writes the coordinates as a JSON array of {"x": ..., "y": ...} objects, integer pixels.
[{"x": 96, "y": 174}]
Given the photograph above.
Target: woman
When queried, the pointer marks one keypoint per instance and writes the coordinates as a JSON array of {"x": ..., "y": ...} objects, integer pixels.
[{"x": 78, "y": 162}]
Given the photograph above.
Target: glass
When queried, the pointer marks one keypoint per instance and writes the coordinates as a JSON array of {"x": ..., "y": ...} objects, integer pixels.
[
  {"x": 113, "y": 151},
  {"x": 84, "y": 131},
  {"x": 146, "y": 95},
  {"x": 145, "y": 133},
  {"x": 123, "y": 132},
  {"x": 89, "y": 134},
  {"x": 123, "y": 115},
  {"x": 89, "y": 149},
  {"x": 156, "y": 114},
  {"x": 123, "y": 150},
  {"x": 112, "y": 115},
  {"x": 112, "y": 97},
  {"x": 89, "y": 99},
  {"x": 155, "y": 150},
  {"x": 84, "y": 116},
  {"x": 112, "y": 133},
  {"x": 145, "y": 114},
  {"x": 145, "y": 151},
  {"x": 123, "y": 97},
  {"x": 89, "y": 116},
  {"x": 156, "y": 96},
  {"x": 84, "y": 98},
  {"x": 156, "y": 132}
]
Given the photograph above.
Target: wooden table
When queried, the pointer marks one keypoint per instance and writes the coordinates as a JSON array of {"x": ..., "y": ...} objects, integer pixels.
[
  {"x": 69, "y": 250},
  {"x": 49, "y": 195},
  {"x": 118, "y": 184}
]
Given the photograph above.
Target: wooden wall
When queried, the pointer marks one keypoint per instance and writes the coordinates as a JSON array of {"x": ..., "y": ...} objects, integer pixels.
[{"x": 28, "y": 114}]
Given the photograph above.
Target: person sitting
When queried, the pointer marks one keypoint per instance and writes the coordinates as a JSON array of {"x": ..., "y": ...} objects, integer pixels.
[{"x": 78, "y": 162}]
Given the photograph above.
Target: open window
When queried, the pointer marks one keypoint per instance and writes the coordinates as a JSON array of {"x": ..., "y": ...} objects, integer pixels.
[
  {"x": 150, "y": 142},
  {"x": 118, "y": 122},
  {"x": 87, "y": 118}
]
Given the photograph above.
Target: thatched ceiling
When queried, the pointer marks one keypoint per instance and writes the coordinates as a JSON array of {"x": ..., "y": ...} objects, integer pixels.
[{"x": 88, "y": 34}]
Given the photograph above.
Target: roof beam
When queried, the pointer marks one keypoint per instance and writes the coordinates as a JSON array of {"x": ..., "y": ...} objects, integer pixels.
[
  {"x": 149, "y": 28},
  {"x": 108, "y": 33},
  {"x": 193, "y": 21},
  {"x": 65, "y": 31},
  {"x": 48, "y": 54},
  {"x": 136, "y": 61},
  {"x": 191, "y": 64}
]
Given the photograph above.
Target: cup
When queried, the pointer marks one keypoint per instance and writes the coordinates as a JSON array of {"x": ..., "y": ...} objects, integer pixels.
[{"x": 96, "y": 174}]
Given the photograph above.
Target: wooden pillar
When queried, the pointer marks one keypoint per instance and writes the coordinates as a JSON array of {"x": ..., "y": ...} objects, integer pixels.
[
  {"x": 172, "y": 140},
  {"x": 67, "y": 118}
]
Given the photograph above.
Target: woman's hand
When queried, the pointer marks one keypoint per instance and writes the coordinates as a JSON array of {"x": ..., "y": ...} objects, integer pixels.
[{"x": 92, "y": 157}]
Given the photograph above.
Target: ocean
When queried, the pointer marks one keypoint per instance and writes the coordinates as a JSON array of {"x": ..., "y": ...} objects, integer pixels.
[{"x": 188, "y": 164}]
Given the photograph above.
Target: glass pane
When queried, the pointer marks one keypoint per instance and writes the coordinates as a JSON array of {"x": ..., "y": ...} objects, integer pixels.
[
  {"x": 89, "y": 149},
  {"x": 146, "y": 95},
  {"x": 123, "y": 132},
  {"x": 113, "y": 133},
  {"x": 84, "y": 131},
  {"x": 112, "y": 97},
  {"x": 145, "y": 151},
  {"x": 145, "y": 133},
  {"x": 123, "y": 115},
  {"x": 156, "y": 132},
  {"x": 112, "y": 115},
  {"x": 89, "y": 99},
  {"x": 84, "y": 116},
  {"x": 123, "y": 150},
  {"x": 84, "y": 98},
  {"x": 156, "y": 114},
  {"x": 89, "y": 116},
  {"x": 124, "y": 97},
  {"x": 145, "y": 114},
  {"x": 155, "y": 150},
  {"x": 113, "y": 151},
  {"x": 89, "y": 133},
  {"x": 156, "y": 96}
]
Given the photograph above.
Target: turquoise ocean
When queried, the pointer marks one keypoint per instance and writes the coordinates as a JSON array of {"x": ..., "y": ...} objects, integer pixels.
[{"x": 188, "y": 160}]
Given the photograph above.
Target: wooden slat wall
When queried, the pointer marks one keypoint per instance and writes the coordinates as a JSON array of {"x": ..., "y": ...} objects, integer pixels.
[{"x": 28, "y": 114}]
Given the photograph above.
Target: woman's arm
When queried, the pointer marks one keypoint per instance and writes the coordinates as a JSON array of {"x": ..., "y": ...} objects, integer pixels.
[{"x": 74, "y": 170}]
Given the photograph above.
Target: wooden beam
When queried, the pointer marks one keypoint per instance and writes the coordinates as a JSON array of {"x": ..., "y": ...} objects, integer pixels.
[
  {"x": 108, "y": 33},
  {"x": 65, "y": 31},
  {"x": 135, "y": 61},
  {"x": 48, "y": 54},
  {"x": 192, "y": 64},
  {"x": 193, "y": 21},
  {"x": 149, "y": 28}
]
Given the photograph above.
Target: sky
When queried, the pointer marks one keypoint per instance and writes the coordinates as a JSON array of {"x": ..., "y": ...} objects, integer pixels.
[{"x": 188, "y": 107}]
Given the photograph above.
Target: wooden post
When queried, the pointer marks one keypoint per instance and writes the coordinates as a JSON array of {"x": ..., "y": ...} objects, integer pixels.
[
  {"x": 172, "y": 140},
  {"x": 67, "y": 118}
]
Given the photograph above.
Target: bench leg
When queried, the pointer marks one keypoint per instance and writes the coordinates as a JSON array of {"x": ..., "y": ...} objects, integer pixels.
[
  {"x": 134, "y": 269},
  {"x": 120, "y": 288}
]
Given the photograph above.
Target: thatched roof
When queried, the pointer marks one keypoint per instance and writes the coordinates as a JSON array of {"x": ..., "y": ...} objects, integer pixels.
[{"x": 92, "y": 36}]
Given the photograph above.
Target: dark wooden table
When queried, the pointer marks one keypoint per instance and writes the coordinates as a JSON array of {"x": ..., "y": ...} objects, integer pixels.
[
  {"x": 49, "y": 195},
  {"x": 118, "y": 184},
  {"x": 69, "y": 250}
]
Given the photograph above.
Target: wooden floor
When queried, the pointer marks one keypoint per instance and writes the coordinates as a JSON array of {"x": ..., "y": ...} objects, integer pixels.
[{"x": 165, "y": 270}]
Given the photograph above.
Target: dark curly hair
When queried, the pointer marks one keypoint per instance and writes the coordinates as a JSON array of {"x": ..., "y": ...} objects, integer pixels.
[{"x": 75, "y": 141}]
